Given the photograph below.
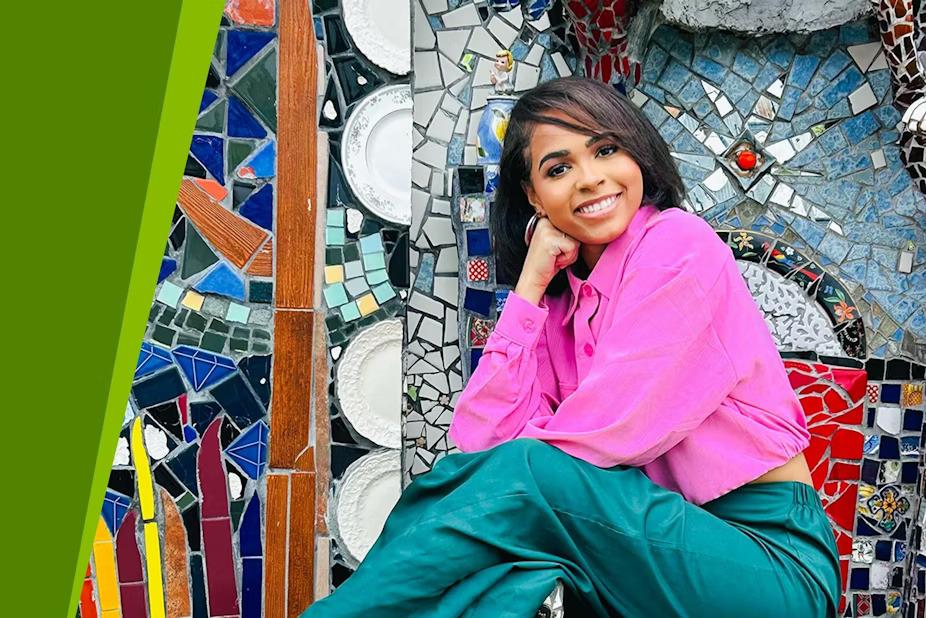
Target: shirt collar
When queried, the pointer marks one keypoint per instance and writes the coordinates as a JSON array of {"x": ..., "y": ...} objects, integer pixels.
[{"x": 609, "y": 264}]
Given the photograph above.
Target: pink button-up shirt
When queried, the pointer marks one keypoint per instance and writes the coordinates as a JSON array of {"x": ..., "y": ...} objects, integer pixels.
[{"x": 660, "y": 360}]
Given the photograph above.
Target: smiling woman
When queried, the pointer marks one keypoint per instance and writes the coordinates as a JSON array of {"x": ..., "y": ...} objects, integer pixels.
[{"x": 630, "y": 429}]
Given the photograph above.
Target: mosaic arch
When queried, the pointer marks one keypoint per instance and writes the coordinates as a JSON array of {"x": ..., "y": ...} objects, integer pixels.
[{"x": 252, "y": 444}]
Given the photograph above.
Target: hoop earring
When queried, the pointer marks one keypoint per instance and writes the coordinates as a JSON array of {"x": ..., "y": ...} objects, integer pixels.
[{"x": 529, "y": 230}]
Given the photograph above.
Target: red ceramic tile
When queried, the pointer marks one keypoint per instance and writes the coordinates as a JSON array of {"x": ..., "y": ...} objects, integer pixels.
[
  {"x": 874, "y": 393},
  {"x": 845, "y": 471},
  {"x": 87, "y": 604},
  {"x": 212, "y": 477},
  {"x": 220, "y": 567},
  {"x": 128, "y": 558},
  {"x": 847, "y": 444},
  {"x": 134, "y": 600},
  {"x": 477, "y": 270}
]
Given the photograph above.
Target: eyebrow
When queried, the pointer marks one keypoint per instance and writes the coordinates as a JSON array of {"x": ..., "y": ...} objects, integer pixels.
[{"x": 562, "y": 153}]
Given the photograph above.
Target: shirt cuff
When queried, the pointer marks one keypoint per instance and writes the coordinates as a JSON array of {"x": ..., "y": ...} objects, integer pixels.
[{"x": 521, "y": 321}]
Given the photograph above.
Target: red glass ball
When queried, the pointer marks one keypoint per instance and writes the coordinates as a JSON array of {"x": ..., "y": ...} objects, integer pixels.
[{"x": 746, "y": 160}]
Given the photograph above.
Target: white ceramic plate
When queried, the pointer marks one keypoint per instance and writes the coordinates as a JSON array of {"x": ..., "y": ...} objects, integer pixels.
[
  {"x": 376, "y": 153},
  {"x": 370, "y": 383},
  {"x": 371, "y": 486},
  {"x": 381, "y": 29}
]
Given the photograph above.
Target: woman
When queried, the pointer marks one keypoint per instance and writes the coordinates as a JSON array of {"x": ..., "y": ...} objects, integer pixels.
[{"x": 630, "y": 429}]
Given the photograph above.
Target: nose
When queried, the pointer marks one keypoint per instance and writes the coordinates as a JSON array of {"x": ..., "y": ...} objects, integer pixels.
[{"x": 588, "y": 176}]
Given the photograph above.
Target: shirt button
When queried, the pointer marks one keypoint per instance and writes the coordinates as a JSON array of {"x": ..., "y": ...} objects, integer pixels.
[
  {"x": 588, "y": 349},
  {"x": 528, "y": 325},
  {"x": 587, "y": 290}
]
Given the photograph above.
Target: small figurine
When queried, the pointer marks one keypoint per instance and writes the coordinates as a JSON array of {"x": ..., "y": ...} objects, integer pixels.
[{"x": 500, "y": 73}]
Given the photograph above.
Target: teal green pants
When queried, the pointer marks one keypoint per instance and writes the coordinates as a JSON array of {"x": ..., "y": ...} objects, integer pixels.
[{"x": 487, "y": 535}]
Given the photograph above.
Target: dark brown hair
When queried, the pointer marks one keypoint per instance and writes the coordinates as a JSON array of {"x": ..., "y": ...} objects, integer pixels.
[{"x": 597, "y": 110}]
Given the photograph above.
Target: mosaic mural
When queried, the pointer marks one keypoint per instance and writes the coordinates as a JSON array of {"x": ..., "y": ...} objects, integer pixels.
[{"x": 787, "y": 144}]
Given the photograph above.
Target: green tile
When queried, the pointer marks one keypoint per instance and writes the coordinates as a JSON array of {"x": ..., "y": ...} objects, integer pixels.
[
  {"x": 218, "y": 326},
  {"x": 181, "y": 317},
  {"x": 334, "y": 236},
  {"x": 333, "y": 322},
  {"x": 383, "y": 292},
  {"x": 212, "y": 342},
  {"x": 197, "y": 256},
  {"x": 167, "y": 316},
  {"x": 333, "y": 256},
  {"x": 238, "y": 151},
  {"x": 241, "y": 333},
  {"x": 335, "y": 217},
  {"x": 260, "y": 292},
  {"x": 260, "y": 347},
  {"x": 185, "y": 501},
  {"x": 335, "y": 295},
  {"x": 374, "y": 261},
  {"x": 258, "y": 88},
  {"x": 237, "y": 313},
  {"x": 154, "y": 312},
  {"x": 164, "y": 335},
  {"x": 350, "y": 312},
  {"x": 260, "y": 334},
  {"x": 213, "y": 120},
  {"x": 238, "y": 345},
  {"x": 377, "y": 276},
  {"x": 169, "y": 294},
  {"x": 351, "y": 252},
  {"x": 371, "y": 244},
  {"x": 185, "y": 339},
  {"x": 196, "y": 322}
]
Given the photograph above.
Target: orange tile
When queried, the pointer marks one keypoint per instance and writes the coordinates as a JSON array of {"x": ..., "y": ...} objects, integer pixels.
[
  {"x": 262, "y": 264},
  {"x": 213, "y": 188},
  {"x": 320, "y": 372},
  {"x": 292, "y": 387},
  {"x": 236, "y": 238},
  {"x": 87, "y": 602},
  {"x": 176, "y": 572},
  {"x": 276, "y": 532},
  {"x": 296, "y": 161},
  {"x": 301, "y": 543},
  {"x": 251, "y": 12}
]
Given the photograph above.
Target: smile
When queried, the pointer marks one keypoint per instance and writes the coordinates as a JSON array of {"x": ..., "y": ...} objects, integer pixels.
[{"x": 598, "y": 207}]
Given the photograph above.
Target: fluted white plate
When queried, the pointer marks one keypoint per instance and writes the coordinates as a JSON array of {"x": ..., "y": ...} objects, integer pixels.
[
  {"x": 376, "y": 153},
  {"x": 371, "y": 486},
  {"x": 381, "y": 29},
  {"x": 369, "y": 383}
]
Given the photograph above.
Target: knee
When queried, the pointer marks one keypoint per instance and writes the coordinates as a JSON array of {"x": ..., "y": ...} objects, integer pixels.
[{"x": 524, "y": 461}]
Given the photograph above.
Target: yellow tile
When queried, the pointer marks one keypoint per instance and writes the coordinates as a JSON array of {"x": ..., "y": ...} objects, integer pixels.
[
  {"x": 154, "y": 576},
  {"x": 911, "y": 395},
  {"x": 367, "y": 304},
  {"x": 334, "y": 274},
  {"x": 193, "y": 301},
  {"x": 104, "y": 564},
  {"x": 142, "y": 472}
]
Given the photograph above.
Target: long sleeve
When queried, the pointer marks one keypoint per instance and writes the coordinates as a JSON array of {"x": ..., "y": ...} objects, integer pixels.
[
  {"x": 658, "y": 372},
  {"x": 513, "y": 383}
]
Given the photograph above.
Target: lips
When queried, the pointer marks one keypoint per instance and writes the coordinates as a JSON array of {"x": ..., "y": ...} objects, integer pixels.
[{"x": 598, "y": 207}]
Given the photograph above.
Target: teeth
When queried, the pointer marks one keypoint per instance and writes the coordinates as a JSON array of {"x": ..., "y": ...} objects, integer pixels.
[{"x": 598, "y": 206}]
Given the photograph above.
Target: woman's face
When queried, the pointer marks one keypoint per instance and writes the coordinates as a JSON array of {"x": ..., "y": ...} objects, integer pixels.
[{"x": 587, "y": 187}]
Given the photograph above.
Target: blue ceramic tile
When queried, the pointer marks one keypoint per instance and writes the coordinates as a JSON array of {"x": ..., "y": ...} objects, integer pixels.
[
  {"x": 709, "y": 69},
  {"x": 249, "y": 450},
  {"x": 834, "y": 247},
  {"x": 377, "y": 276},
  {"x": 780, "y": 51},
  {"x": 210, "y": 151},
  {"x": 259, "y": 207},
  {"x": 854, "y": 33},
  {"x": 115, "y": 506},
  {"x": 908, "y": 472},
  {"x": 249, "y": 530},
  {"x": 371, "y": 244},
  {"x": 159, "y": 388},
  {"x": 890, "y": 446},
  {"x": 859, "y": 127},
  {"x": 240, "y": 121},
  {"x": 734, "y": 87},
  {"x": 691, "y": 93},
  {"x": 746, "y": 65},
  {"x": 202, "y": 368},
  {"x": 479, "y": 301},
  {"x": 335, "y": 295},
  {"x": 241, "y": 46},
  {"x": 821, "y": 42},
  {"x": 251, "y": 582},
  {"x": 262, "y": 164},
  {"x": 858, "y": 578},
  {"x": 655, "y": 113},
  {"x": 222, "y": 280},
  {"x": 767, "y": 76},
  {"x": 500, "y": 297},
  {"x": 788, "y": 102},
  {"x": 151, "y": 358},
  {"x": 880, "y": 83},
  {"x": 168, "y": 266},
  {"x": 675, "y": 77},
  {"x": 870, "y": 471},
  {"x": 474, "y": 355},
  {"x": 383, "y": 293},
  {"x": 913, "y": 420},
  {"x": 547, "y": 68},
  {"x": 888, "y": 116},
  {"x": 834, "y": 64},
  {"x": 189, "y": 434},
  {"x": 209, "y": 97},
  {"x": 656, "y": 59},
  {"x": 842, "y": 87},
  {"x": 478, "y": 242},
  {"x": 374, "y": 261},
  {"x": 350, "y": 311},
  {"x": 802, "y": 70}
]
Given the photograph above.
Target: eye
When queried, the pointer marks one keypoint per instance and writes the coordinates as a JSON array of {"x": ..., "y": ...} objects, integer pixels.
[
  {"x": 607, "y": 150},
  {"x": 556, "y": 170}
]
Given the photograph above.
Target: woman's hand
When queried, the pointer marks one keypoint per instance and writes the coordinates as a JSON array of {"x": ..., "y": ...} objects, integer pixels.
[{"x": 550, "y": 251}]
